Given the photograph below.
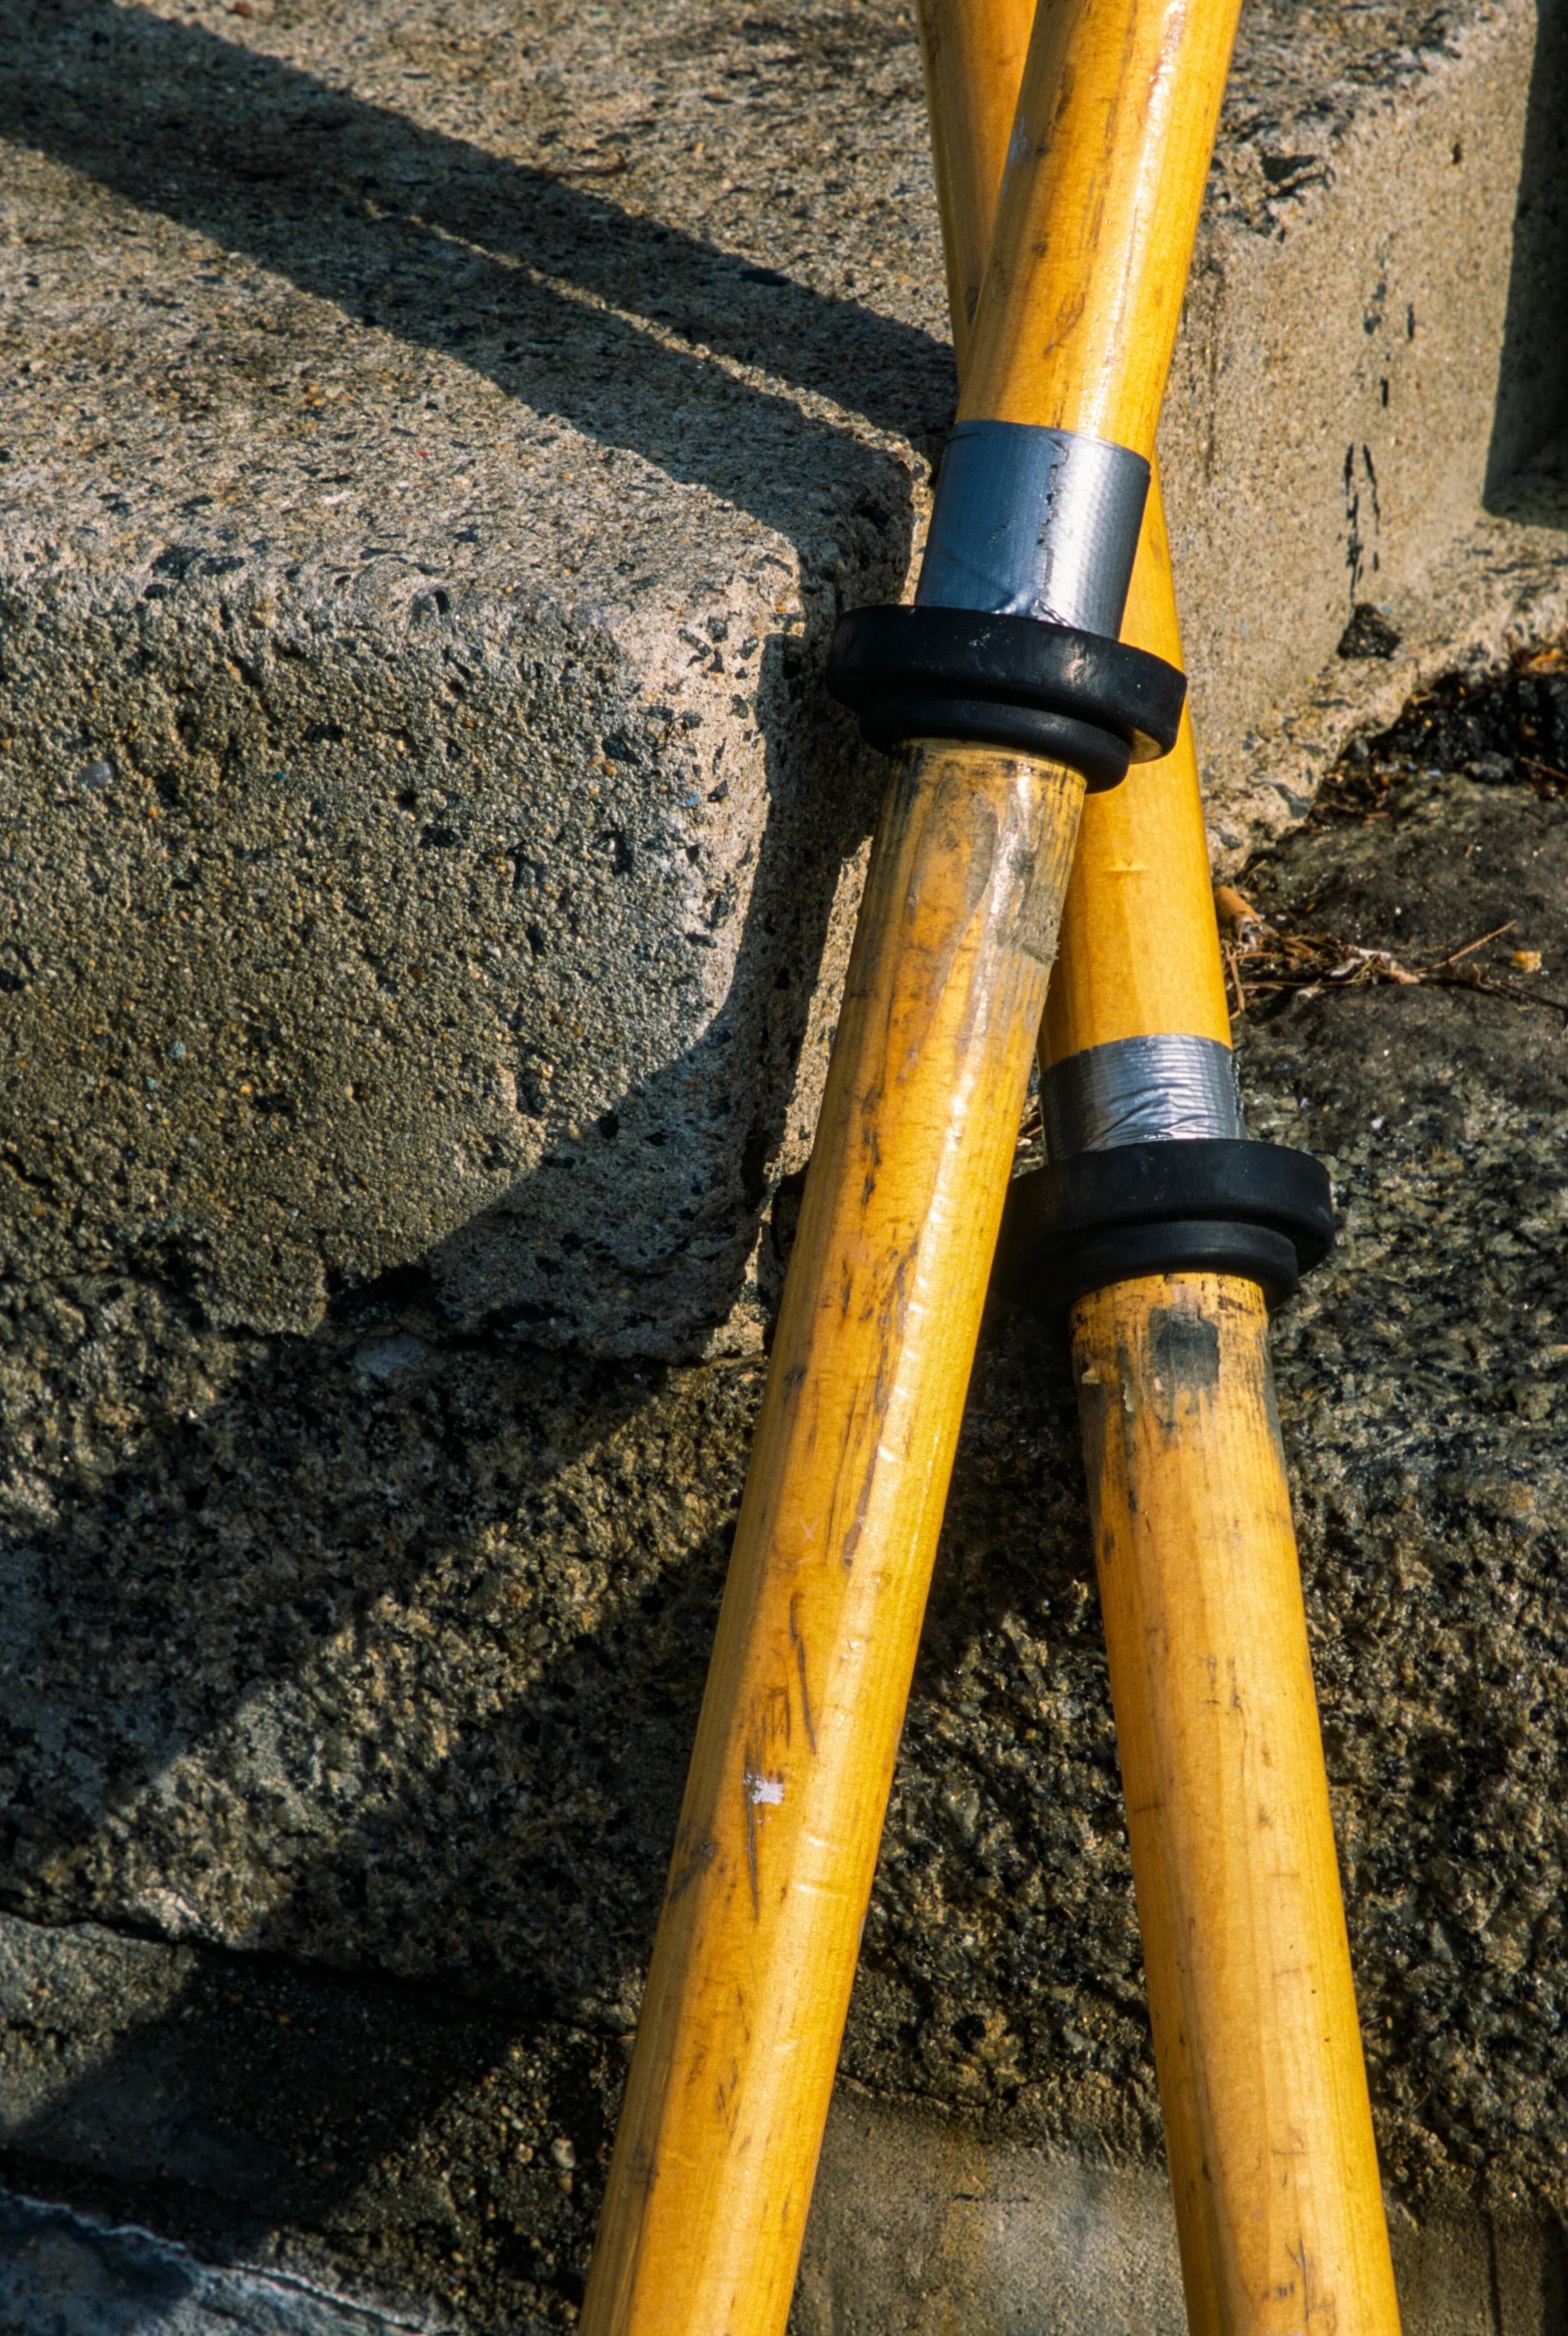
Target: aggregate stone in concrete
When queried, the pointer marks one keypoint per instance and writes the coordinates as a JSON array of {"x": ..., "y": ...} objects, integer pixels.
[
  {"x": 436, "y": 446},
  {"x": 379, "y": 1650}
]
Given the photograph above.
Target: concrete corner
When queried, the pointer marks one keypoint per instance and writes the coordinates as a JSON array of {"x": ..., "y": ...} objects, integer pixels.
[
  {"x": 433, "y": 465},
  {"x": 437, "y": 445}
]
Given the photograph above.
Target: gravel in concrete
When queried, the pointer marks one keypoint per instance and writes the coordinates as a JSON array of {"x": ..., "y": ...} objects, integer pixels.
[
  {"x": 436, "y": 446},
  {"x": 380, "y": 1650}
]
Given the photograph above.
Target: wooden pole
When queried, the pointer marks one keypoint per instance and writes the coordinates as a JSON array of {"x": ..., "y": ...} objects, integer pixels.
[
  {"x": 1268, "y": 2127},
  {"x": 1109, "y": 152},
  {"x": 778, "y": 1833},
  {"x": 1273, "y": 2171},
  {"x": 973, "y": 53},
  {"x": 778, "y": 1836},
  {"x": 1139, "y": 952}
]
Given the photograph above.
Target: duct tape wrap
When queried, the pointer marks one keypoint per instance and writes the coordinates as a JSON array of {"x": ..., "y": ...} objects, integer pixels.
[
  {"x": 1013, "y": 640},
  {"x": 1170, "y": 1087},
  {"x": 1038, "y": 522}
]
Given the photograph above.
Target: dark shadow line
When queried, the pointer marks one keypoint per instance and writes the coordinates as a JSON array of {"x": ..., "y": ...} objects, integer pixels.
[
  {"x": 1532, "y": 385},
  {"x": 220, "y": 139},
  {"x": 269, "y": 2085}
]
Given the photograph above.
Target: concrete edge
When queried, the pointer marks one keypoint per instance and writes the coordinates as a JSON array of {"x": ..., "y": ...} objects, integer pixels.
[
  {"x": 1500, "y": 590},
  {"x": 79, "y": 2275},
  {"x": 921, "y": 2226}
]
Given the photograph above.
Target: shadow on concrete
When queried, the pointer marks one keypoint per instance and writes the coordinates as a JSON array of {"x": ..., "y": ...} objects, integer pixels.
[
  {"x": 1532, "y": 389},
  {"x": 418, "y": 1507},
  {"x": 633, "y": 1219},
  {"x": 265, "y": 1526},
  {"x": 510, "y": 1815},
  {"x": 341, "y": 1611},
  {"x": 422, "y": 235},
  {"x": 417, "y": 231},
  {"x": 423, "y": 1614}
]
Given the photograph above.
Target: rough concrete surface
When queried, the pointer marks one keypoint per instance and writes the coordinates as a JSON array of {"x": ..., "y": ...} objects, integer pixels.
[
  {"x": 436, "y": 444},
  {"x": 921, "y": 2228},
  {"x": 365, "y": 1665}
]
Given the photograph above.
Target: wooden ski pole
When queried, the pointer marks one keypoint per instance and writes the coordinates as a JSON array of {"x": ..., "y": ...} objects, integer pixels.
[
  {"x": 1267, "y": 2127},
  {"x": 1007, "y": 715}
]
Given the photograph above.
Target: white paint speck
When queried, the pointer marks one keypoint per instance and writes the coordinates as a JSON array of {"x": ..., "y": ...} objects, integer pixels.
[{"x": 764, "y": 1792}]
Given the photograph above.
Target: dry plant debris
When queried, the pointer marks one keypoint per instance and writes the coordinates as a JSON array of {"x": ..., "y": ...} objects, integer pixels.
[
  {"x": 1510, "y": 733},
  {"x": 1261, "y": 960}
]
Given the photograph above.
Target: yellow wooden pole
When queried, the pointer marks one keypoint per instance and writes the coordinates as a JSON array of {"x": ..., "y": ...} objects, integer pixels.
[
  {"x": 1139, "y": 952},
  {"x": 973, "y": 53},
  {"x": 778, "y": 1837},
  {"x": 1267, "y": 2127},
  {"x": 1273, "y": 2171},
  {"x": 1109, "y": 154},
  {"x": 778, "y": 1833}
]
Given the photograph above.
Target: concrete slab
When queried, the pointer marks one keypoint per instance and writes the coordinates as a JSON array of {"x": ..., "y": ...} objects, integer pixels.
[
  {"x": 357, "y": 1674},
  {"x": 255, "y": 2102},
  {"x": 1499, "y": 590},
  {"x": 436, "y": 446},
  {"x": 436, "y": 449},
  {"x": 919, "y": 2228},
  {"x": 77, "y": 2276}
]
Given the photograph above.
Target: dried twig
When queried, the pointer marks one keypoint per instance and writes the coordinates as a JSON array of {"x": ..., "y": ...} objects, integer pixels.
[
  {"x": 1472, "y": 946},
  {"x": 1228, "y": 952},
  {"x": 1269, "y": 962}
]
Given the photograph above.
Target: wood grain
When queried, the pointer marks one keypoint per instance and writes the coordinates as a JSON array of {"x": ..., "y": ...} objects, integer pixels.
[
  {"x": 1098, "y": 208},
  {"x": 1254, "y": 2040},
  {"x": 973, "y": 53},
  {"x": 1268, "y": 2129},
  {"x": 1139, "y": 950},
  {"x": 729, "y": 2086},
  {"x": 779, "y": 1830}
]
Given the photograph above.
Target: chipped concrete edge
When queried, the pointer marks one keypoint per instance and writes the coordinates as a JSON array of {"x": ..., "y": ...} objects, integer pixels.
[
  {"x": 1500, "y": 590},
  {"x": 80, "y": 2275}
]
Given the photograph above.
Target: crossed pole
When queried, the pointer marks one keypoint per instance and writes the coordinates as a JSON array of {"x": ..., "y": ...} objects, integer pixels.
[
  {"x": 1011, "y": 688},
  {"x": 1268, "y": 2129}
]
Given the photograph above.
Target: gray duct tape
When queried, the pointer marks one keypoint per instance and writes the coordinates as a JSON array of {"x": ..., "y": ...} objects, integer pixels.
[
  {"x": 1139, "y": 1091},
  {"x": 1035, "y": 523}
]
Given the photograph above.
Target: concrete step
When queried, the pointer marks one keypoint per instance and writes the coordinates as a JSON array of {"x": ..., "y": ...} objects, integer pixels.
[
  {"x": 434, "y": 457},
  {"x": 436, "y": 447},
  {"x": 349, "y": 1685},
  {"x": 248, "y": 2097}
]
